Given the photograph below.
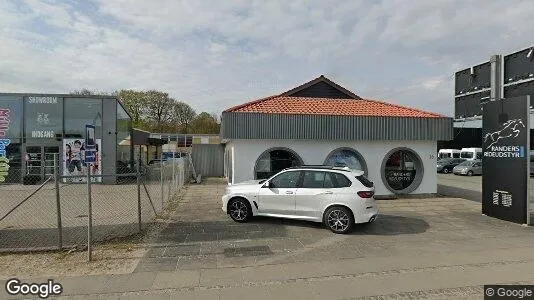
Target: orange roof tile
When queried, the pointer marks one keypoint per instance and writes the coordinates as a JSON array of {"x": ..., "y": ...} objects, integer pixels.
[{"x": 325, "y": 106}]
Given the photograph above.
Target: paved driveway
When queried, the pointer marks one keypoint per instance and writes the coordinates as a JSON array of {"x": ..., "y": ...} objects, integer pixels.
[{"x": 201, "y": 236}]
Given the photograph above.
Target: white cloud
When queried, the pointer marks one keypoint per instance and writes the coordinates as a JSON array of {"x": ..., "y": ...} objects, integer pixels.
[{"x": 216, "y": 54}]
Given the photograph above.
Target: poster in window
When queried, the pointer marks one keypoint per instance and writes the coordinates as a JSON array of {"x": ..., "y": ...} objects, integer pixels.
[{"x": 74, "y": 161}]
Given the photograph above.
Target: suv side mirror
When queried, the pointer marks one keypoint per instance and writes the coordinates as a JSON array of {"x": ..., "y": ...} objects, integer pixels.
[{"x": 266, "y": 185}]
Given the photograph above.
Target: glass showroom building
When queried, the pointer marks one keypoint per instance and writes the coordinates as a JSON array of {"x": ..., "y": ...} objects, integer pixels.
[{"x": 34, "y": 128}]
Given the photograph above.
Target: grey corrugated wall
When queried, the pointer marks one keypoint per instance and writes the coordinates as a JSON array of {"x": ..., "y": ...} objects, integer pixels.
[
  {"x": 286, "y": 126},
  {"x": 208, "y": 159}
]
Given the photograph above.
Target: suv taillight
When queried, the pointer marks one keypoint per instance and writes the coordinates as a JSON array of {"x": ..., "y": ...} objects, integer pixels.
[{"x": 366, "y": 194}]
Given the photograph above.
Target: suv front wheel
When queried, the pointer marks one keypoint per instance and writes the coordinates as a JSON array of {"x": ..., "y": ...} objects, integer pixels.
[
  {"x": 239, "y": 210},
  {"x": 339, "y": 219}
]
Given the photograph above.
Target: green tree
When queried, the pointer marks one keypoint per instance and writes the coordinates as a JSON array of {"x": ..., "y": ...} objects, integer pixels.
[
  {"x": 183, "y": 116},
  {"x": 155, "y": 111},
  {"x": 205, "y": 123},
  {"x": 159, "y": 110},
  {"x": 136, "y": 103}
]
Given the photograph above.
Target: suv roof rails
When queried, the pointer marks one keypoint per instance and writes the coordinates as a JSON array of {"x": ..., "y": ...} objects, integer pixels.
[{"x": 320, "y": 167}]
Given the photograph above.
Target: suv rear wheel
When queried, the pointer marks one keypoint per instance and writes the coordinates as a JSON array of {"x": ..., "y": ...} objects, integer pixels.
[
  {"x": 239, "y": 210},
  {"x": 339, "y": 219}
]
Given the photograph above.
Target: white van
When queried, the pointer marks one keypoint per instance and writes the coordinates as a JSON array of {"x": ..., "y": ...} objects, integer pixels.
[
  {"x": 471, "y": 153},
  {"x": 448, "y": 153}
]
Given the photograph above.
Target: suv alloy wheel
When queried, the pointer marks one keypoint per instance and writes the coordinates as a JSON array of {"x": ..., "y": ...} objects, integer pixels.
[
  {"x": 239, "y": 210},
  {"x": 339, "y": 219}
]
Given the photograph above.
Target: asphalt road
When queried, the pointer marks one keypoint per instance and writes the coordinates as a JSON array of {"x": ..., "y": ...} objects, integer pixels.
[
  {"x": 466, "y": 187},
  {"x": 456, "y": 192}
]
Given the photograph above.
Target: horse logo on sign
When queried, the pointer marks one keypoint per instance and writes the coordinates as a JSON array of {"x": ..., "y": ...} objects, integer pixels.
[{"x": 510, "y": 129}]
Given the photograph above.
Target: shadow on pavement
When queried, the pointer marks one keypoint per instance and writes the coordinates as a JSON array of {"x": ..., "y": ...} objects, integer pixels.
[
  {"x": 267, "y": 222},
  {"x": 456, "y": 192},
  {"x": 392, "y": 225}
]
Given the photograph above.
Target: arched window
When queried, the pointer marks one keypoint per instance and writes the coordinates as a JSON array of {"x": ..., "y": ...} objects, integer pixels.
[
  {"x": 346, "y": 157},
  {"x": 402, "y": 170},
  {"x": 275, "y": 160}
]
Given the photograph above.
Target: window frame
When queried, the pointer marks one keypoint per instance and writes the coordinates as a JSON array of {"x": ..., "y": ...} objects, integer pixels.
[
  {"x": 419, "y": 171},
  {"x": 356, "y": 153},
  {"x": 295, "y": 154},
  {"x": 298, "y": 182},
  {"x": 303, "y": 175},
  {"x": 336, "y": 181}
]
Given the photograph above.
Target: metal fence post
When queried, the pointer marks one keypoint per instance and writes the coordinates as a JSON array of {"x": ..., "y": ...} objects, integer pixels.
[
  {"x": 169, "y": 187},
  {"x": 173, "y": 172},
  {"x": 139, "y": 197},
  {"x": 58, "y": 202},
  {"x": 161, "y": 180},
  {"x": 90, "y": 215}
]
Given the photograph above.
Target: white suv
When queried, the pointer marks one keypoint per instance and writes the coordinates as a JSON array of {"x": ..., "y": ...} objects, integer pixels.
[{"x": 338, "y": 197}]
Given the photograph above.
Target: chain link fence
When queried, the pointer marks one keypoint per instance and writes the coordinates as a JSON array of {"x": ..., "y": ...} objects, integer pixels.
[{"x": 78, "y": 210}]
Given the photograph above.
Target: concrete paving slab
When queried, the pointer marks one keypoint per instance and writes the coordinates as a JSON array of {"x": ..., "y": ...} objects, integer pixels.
[
  {"x": 151, "y": 296},
  {"x": 217, "y": 247},
  {"x": 129, "y": 282},
  {"x": 73, "y": 286},
  {"x": 179, "y": 279},
  {"x": 284, "y": 244},
  {"x": 197, "y": 262},
  {"x": 182, "y": 250},
  {"x": 230, "y": 262},
  {"x": 157, "y": 264}
]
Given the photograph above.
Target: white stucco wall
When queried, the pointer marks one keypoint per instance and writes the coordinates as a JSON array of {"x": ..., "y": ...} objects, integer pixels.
[{"x": 314, "y": 152}]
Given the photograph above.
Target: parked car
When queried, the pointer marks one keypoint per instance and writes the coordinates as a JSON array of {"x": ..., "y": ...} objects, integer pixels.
[
  {"x": 337, "y": 197},
  {"x": 446, "y": 165},
  {"x": 469, "y": 168}
]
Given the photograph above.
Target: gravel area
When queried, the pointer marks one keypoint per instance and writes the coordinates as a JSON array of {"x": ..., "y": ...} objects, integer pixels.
[{"x": 106, "y": 260}]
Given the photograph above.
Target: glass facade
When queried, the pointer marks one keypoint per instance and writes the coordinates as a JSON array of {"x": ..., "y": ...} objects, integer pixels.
[
  {"x": 34, "y": 129},
  {"x": 80, "y": 112},
  {"x": 124, "y": 147}
]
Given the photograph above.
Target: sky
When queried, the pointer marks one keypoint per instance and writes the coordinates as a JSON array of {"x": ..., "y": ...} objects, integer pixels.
[{"x": 217, "y": 54}]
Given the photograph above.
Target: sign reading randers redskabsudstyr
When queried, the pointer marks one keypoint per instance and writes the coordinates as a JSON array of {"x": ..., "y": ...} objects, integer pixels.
[{"x": 506, "y": 144}]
